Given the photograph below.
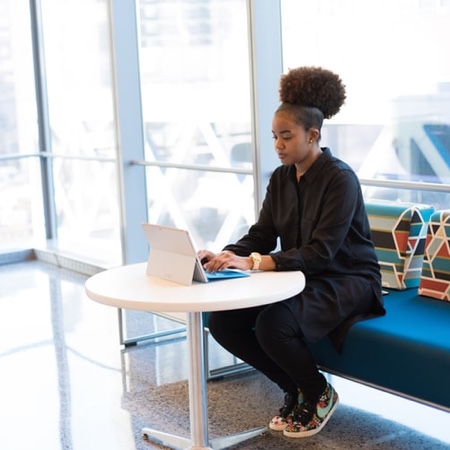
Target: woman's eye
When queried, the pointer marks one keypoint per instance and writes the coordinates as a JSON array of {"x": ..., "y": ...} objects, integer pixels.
[{"x": 283, "y": 138}]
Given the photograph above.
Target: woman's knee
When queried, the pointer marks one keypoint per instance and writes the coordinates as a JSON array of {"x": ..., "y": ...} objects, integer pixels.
[
  {"x": 229, "y": 322},
  {"x": 276, "y": 324},
  {"x": 217, "y": 321}
]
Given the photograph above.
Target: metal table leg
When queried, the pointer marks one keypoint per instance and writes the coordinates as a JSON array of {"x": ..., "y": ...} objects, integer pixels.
[{"x": 198, "y": 401}]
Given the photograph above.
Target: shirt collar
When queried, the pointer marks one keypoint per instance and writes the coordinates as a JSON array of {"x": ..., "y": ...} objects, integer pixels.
[{"x": 318, "y": 165}]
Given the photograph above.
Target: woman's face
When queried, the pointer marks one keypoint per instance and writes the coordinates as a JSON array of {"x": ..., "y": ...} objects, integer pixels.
[{"x": 292, "y": 143}]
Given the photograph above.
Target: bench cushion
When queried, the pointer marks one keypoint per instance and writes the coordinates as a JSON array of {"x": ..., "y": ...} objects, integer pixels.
[
  {"x": 407, "y": 351},
  {"x": 399, "y": 232},
  {"x": 435, "y": 278}
]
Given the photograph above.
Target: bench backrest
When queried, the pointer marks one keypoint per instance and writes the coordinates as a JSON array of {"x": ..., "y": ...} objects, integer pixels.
[
  {"x": 399, "y": 233},
  {"x": 435, "y": 278}
]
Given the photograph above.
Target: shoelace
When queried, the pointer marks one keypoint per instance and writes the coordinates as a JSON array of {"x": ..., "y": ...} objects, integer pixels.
[
  {"x": 304, "y": 412},
  {"x": 290, "y": 400}
]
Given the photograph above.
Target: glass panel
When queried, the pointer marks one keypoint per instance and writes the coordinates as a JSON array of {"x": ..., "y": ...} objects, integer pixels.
[
  {"x": 390, "y": 54},
  {"x": 81, "y": 110},
  {"x": 87, "y": 208},
  {"x": 216, "y": 207},
  {"x": 21, "y": 212},
  {"x": 196, "y": 106},
  {"x": 79, "y": 76}
]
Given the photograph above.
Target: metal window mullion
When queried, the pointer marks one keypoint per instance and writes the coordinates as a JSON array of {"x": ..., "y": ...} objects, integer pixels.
[
  {"x": 266, "y": 66},
  {"x": 124, "y": 20},
  {"x": 43, "y": 119}
]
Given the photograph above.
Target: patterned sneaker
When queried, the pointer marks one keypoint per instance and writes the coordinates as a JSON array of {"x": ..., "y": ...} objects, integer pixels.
[
  {"x": 309, "y": 417},
  {"x": 291, "y": 399}
]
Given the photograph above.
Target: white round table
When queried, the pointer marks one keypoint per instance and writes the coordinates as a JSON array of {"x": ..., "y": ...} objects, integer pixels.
[{"x": 129, "y": 287}]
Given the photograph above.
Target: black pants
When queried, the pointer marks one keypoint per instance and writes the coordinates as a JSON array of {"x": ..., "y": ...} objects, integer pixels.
[{"x": 270, "y": 339}]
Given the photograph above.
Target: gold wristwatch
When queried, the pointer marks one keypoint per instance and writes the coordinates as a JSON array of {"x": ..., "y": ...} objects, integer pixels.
[{"x": 256, "y": 259}]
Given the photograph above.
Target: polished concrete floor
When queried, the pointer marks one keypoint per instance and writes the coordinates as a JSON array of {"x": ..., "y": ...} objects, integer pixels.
[{"x": 67, "y": 384}]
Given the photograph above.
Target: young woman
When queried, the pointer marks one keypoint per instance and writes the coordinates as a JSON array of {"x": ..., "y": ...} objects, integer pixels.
[{"x": 314, "y": 208}]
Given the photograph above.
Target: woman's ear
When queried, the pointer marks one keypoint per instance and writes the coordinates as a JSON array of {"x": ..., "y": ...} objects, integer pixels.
[{"x": 314, "y": 135}]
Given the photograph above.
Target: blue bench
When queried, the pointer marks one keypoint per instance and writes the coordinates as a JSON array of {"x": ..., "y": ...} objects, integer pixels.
[{"x": 405, "y": 352}]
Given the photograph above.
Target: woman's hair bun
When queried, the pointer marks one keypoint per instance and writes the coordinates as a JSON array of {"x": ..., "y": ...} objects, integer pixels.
[{"x": 313, "y": 87}]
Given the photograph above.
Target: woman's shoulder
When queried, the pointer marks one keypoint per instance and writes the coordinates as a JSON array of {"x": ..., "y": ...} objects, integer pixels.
[{"x": 333, "y": 162}]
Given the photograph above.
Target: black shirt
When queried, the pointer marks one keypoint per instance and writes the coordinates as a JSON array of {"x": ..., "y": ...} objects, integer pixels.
[{"x": 321, "y": 225}]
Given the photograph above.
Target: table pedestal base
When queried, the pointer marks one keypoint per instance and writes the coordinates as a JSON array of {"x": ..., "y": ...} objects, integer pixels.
[{"x": 181, "y": 443}]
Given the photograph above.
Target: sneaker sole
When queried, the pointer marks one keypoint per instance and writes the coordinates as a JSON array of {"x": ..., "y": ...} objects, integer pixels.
[
  {"x": 275, "y": 427},
  {"x": 302, "y": 434}
]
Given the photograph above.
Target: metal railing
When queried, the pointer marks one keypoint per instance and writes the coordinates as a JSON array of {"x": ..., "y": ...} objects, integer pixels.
[
  {"x": 411, "y": 185},
  {"x": 394, "y": 184}
]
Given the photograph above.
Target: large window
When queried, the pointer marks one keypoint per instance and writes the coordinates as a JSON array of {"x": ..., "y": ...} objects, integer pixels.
[
  {"x": 58, "y": 169},
  {"x": 196, "y": 106},
  {"x": 21, "y": 216},
  {"x": 195, "y": 91},
  {"x": 395, "y": 124}
]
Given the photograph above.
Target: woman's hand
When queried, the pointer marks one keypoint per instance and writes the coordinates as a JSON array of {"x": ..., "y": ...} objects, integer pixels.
[
  {"x": 214, "y": 262},
  {"x": 205, "y": 255}
]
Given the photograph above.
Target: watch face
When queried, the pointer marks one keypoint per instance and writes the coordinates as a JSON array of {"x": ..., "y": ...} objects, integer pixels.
[{"x": 255, "y": 256}]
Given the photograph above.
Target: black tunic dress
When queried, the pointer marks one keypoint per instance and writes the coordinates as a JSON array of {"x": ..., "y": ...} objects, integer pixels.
[{"x": 319, "y": 225}]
